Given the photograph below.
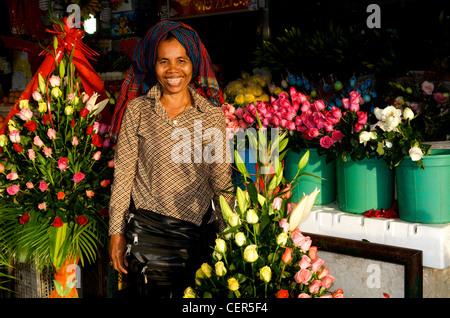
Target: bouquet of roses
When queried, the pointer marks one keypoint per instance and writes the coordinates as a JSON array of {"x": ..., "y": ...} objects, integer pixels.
[
  {"x": 262, "y": 253},
  {"x": 55, "y": 173}
]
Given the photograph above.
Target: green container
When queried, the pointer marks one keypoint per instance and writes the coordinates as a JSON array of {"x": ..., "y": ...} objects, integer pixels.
[
  {"x": 317, "y": 166},
  {"x": 363, "y": 185},
  {"x": 423, "y": 194}
]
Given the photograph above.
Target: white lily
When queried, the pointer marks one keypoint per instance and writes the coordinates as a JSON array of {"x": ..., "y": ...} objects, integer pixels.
[{"x": 302, "y": 209}]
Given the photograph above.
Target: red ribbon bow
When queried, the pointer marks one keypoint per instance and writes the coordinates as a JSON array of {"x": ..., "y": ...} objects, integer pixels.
[{"x": 67, "y": 39}]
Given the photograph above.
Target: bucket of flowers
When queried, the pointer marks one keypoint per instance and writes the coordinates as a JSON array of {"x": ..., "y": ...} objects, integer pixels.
[
  {"x": 55, "y": 174},
  {"x": 262, "y": 253}
]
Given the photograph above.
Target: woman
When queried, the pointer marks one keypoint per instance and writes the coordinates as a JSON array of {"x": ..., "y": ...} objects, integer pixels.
[{"x": 161, "y": 184}]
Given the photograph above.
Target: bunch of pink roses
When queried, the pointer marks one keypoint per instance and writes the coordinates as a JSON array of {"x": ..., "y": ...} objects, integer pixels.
[{"x": 55, "y": 171}]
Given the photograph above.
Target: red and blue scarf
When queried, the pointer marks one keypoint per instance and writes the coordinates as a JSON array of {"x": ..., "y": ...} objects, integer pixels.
[{"x": 140, "y": 77}]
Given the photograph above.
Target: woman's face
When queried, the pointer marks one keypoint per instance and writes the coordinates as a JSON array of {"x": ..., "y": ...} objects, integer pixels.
[{"x": 173, "y": 67}]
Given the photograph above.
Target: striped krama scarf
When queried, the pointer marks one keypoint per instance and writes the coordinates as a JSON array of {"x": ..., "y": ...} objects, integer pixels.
[{"x": 140, "y": 77}]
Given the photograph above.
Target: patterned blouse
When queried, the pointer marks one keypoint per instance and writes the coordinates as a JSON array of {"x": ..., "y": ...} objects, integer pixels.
[{"x": 173, "y": 167}]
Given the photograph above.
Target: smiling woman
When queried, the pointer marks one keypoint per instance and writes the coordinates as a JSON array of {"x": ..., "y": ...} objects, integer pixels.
[{"x": 162, "y": 223}]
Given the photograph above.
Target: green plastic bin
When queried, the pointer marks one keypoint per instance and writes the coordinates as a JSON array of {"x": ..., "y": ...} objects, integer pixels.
[
  {"x": 317, "y": 166},
  {"x": 363, "y": 185},
  {"x": 423, "y": 194}
]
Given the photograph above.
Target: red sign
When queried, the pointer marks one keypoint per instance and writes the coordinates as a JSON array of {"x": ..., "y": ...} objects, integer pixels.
[{"x": 184, "y": 8}]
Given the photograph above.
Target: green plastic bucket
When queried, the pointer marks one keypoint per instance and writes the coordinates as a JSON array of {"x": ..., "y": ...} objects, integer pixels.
[
  {"x": 317, "y": 166},
  {"x": 363, "y": 185},
  {"x": 423, "y": 195}
]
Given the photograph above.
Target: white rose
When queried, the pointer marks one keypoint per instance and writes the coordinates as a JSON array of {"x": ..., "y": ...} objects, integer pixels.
[
  {"x": 282, "y": 239},
  {"x": 252, "y": 217},
  {"x": 221, "y": 246},
  {"x": 408, "y": 113},
  {"x": 240, "y": 239},
  {"x": 415, "y": 153}
]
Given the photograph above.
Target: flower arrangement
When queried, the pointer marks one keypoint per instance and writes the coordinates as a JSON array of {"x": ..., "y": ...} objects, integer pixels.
[
  {"x": 429, "y": 100},
  {"x": 262, "y": 253},
  {"x": 249, "y": 88},
  {"x": 55, "y": 173}
]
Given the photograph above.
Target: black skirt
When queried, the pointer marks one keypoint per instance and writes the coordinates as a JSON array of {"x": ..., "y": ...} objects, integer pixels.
[{"x": 164, "y": 253}]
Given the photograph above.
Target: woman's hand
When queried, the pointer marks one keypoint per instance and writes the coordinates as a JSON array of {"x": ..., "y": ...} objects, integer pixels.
[{"x": 117, "y": 252}]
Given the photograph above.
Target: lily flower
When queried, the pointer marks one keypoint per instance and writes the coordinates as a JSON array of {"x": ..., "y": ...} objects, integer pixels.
[{"x": 302, "y": 209}]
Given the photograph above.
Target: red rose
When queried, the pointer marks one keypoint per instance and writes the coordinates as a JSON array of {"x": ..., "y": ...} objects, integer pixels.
[
  {"x": 89, "y": 130},
  {"x": 282, "y": 293},
  {"x": 24, "y": 218},
  {"x": 30, "y": 125},
  {"x": 97, "y": 140},
  {"x": 337, "y": 135},
  {"x": 84, "y": 112},
  {"x": 57, "y": 222},
  {"x": 72, "y": 123},
  {"x": 17, "y": 147},
  {"x": 81, "y": 219},
  {"x": 46, "y": 119},
  {"x": 103, "y": 212}
]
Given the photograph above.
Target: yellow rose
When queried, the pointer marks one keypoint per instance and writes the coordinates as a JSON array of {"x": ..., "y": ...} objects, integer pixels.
[
  {"x": 252, "y": 217},
  {"x": 240, "y": 239},
  {"x": 42, "y": 107},
  {"x": 265, "y": 274},
  {"x": 233, "y": 284},
  {"x": 23, "y": 104},
  {"x": 206, "y": 269},
  {"x": 189, "y": 293},
  {"x": 221, "y": 245},
  {"x": 282, "y": 239},
  {"x": 250, "y": 253},
  {"x": 220, "y": 269}
]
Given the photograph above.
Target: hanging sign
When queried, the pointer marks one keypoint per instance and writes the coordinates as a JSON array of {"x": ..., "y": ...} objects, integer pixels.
[{"x": 188, "y": 8}]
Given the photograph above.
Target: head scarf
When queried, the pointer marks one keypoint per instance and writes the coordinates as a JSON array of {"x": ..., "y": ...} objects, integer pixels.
[{"x": 140, "y": 77}]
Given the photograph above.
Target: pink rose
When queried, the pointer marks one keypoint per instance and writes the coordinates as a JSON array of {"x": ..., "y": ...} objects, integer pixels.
[
  {"x": 276, "y": 204},
  {"x": 239, "y": 112},
  {"x": 337, "y": 135},
  {"x": 327, "y": 281},
  {"x": 47, "y": 151},
  {"x": 42, "y": 206},
  {"x": 305, "y": 262},
  {"x": 29, "y": 185},
  {"x": 317, "y": 264},
  {"x": 314, "y": 287},
  {"x": 51, "y": 133},
  {"x": 62, "y": 163},
  {"x": 362, "y": 117},
  {"x": 285, "y": 225},
  {"x": 37, "y": 96},
  {"x": 75, "y": 140},
  {"x": 12, "y": 190},
  {"x": 25, "y": 114},
  {"x": 31, "y": 154},
  {"x": 439, "y": 98},
  {"x": 324, "y": 272},
  {"x": 14, "y": 136},
  {"x": 311, "y": 133},
  {"x": 43, "y": 186},
  {"x": 303, "y": 276},
  {"x": 37, "y": 141},
  {"x": 12, "y": 176},
  {"x": 249, "y": 118},
  {"x": 358, "y": 127},
  {"x": 346, "y": 103},
  {"x": 326, "y": 142},
  {"x": 304, "y": 295},
  {"x": 54, "y": 81},
  {"x": 78, "y": 177},
  {"x": 97, "y": 155},
  {"x": 427, "y": 87}
]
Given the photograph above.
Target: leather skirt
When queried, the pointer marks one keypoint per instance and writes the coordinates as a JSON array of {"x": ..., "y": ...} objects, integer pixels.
[{"x": 163, "y": 252}]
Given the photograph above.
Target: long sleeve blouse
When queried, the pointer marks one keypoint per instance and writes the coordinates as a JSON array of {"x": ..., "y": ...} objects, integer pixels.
[{"x": 173, "y": 167}]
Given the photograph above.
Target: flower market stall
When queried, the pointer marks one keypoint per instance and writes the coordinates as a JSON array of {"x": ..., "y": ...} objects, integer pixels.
[{"x": 340, "y": 148}]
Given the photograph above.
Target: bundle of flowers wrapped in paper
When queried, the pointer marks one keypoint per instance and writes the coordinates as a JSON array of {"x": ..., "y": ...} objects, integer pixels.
[
  {"x": 55, "y": 171},
  {"x": 262, "y": 253}
]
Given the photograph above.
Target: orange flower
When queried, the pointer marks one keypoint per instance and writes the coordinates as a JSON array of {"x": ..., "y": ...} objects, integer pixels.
[
  {"x": 61, "y": 195},
  {"x": 287, "y": 256},
  {"x": 105, "y": 183},
  {"x": 282, "y": 293},
  {"x": 89, "y": 193}
]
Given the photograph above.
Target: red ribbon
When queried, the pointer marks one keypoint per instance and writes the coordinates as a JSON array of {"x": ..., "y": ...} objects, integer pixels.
[{"x": 92, "y": 83}]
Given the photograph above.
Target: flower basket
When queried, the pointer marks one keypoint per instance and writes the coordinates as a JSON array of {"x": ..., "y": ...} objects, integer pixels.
[
  {"x": 423, "y": 194},
  {"x": 324, "y": 180},
  {"x": 364, "y": 184}
]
